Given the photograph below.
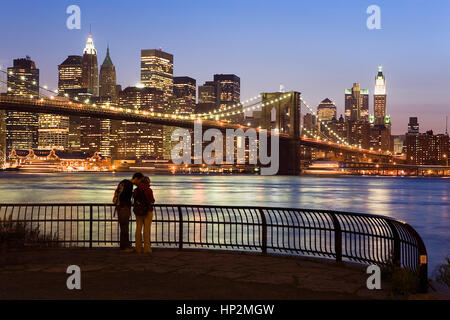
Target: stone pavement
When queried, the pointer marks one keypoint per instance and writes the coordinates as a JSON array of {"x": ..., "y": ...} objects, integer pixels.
[{"x": 172, "y": 274}]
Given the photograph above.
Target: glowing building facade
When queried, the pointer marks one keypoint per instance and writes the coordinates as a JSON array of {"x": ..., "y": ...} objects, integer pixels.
[
  {"x": 357, "y": 103},
  {"x": 22, "y": 127},
  {"x": 326, "y": 110},
  {"x": 157, "y": 71},
  {"x": 90, "y": 68},
  {"x": 379, "y": 98},
  {"x": 140, "y": 140}
]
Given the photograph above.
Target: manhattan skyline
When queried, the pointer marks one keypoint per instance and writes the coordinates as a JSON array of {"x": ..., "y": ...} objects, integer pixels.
[{"x": 304, "y": 46}]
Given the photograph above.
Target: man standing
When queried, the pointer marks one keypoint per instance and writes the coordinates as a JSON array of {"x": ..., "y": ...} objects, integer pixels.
[
  {"x": 122, "y": 200},
  {"x": 143, "y": 210}
]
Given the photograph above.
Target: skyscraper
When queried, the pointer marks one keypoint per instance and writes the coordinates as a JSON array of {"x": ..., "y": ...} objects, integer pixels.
[
  {"x": 379, "y": 97},
  {"x": 207, "y": 97},
  {"x": 70, "y": 75},
  {"x": 140, "y": 140},
  {"x": 228, "y": 89},
  {"x": 90, "y": 128},
  {"x": 90, "y": 68},
  {"x": 70, "y": 83},
  {"x": 356, "y": 103},
  {"x": 22, "y": 127},
  {"x": 108, "y": 78},
  {"x": 326, "y": 110},
  {"x": 53, "y": 132},
  {"x": 184, "y": 93},
  {"x": 108, "y": 93},
  {"x": 413, "y": 125},
  {"x": 157, "y": 71}
]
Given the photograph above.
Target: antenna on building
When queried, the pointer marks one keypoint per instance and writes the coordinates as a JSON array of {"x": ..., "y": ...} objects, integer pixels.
[{"x": 446, "y": 127}]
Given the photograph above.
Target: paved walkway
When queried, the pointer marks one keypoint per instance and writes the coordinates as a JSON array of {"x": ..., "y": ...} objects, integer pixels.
[{"x": 172, "y": 274}]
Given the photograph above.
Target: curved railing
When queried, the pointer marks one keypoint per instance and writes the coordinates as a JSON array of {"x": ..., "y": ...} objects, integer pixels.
[{"x": 370, "y": 239}]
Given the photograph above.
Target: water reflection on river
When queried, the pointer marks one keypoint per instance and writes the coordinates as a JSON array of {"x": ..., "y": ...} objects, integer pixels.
[{"x": 422, "y": 202}]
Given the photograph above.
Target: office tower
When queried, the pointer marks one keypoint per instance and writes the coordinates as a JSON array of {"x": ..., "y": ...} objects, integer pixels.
[
  {"x": 184, "y": 93},
  {"x": 413, "y": 125},
  {"x": 70, "y": 75},
  {"x": 356, "y": 103},
  {"x": 90, "y": 128},
  {"x": 207, "y": 97},
  {"x": 22, "y": 127},
  {"x": 358, "y": 134},
  {"x": 427, "y": 148},
  {"x": 379, "y": 98},
  {"x": 53, "y": 132},
  {"x": 157, "y": 71},
  {"x": 310, "y": 127},
  {"x": 108, "y": 93},
  {"x": 140, "y": 140},
  {"x": 339, "y": 126},
  {"x": 90, "y": 68},
  {"x": 108, "y": 78},
  {"x": 326, "y": 110},
  {"x": 54, "y": 129},
  {"x": 380, "y": 137},
  {"x": 70, "y": 84},
  {"x": 228, "y": 89}
]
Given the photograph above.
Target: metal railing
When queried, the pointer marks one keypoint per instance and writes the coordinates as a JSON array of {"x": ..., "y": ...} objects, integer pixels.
[{"x": 370, "y": 239}]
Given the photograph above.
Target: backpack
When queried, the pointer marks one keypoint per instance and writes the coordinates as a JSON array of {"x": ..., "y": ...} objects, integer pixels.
[
  {"x": 117, "y": 193},
  {"x": 140, "y": 207}
]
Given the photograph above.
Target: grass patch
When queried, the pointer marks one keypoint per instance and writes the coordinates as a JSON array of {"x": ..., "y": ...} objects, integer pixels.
[
  {"x": 442, "y": 272},
  {"x": 404, "y": 281},
  {"x": 15, "y": 234}
]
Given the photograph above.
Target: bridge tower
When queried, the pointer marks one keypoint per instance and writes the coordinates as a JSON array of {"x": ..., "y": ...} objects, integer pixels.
[{"x": 284, "y": 116}]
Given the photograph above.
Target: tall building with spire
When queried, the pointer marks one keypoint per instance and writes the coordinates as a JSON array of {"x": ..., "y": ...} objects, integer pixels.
[
  {"x": 379, "y": 97},
  {"x": 90, "y": 67},
  {"x": 108, "y": 78},
  {"x": 90, "y": 128},
  {"x": 108, "y": 93},
  {"x": 380, "y": 131}
]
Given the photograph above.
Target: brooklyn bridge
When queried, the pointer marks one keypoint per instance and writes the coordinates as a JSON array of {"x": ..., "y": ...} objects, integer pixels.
[{"x": 280, "y": 114}]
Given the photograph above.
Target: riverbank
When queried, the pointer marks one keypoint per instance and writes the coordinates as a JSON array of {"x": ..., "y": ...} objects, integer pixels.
[{"x": 171, "y": 274}]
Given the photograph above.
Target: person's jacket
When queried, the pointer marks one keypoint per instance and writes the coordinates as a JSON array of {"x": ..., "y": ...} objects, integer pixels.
[{"x": 145, "y": 187}]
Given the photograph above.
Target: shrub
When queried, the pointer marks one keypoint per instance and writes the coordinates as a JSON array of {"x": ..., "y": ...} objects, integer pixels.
[
  {"x": 20, "y": 234},
  {"x": 442, "y": 272},
  {"x": 404, "y": 281}
]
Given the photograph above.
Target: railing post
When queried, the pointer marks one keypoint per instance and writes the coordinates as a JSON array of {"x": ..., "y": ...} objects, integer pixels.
[
  {"x": 422, "y": 269},
  {"x": 337, "y": 237},
  {"x": 264, "y": 231},
  {"x": 396, "y": 254},
  {"x": 180, "y": 229},
  {"x": 91, "y": 216}
]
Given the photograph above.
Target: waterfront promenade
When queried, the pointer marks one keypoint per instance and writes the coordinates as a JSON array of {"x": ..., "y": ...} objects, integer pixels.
[
  {"x": 32, "y": 273},
  {"x": 171, "y": 274}
]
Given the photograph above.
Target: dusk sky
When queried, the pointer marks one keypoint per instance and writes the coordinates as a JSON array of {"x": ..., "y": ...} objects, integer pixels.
[{"x": 319, "y": 48}]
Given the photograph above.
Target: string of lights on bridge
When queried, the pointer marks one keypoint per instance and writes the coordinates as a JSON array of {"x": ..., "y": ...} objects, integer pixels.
[{"x": 216, "y": 114}]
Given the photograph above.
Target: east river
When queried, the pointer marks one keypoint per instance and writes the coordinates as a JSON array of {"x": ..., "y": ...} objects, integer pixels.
[{"x": 422, "y": 202}]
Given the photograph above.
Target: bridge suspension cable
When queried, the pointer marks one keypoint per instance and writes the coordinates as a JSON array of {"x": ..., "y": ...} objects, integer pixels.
[{"x": 340, "y": 139}]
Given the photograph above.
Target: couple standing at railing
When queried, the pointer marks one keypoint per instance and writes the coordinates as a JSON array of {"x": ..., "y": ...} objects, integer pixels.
[{"x": 142, "y": 200}]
